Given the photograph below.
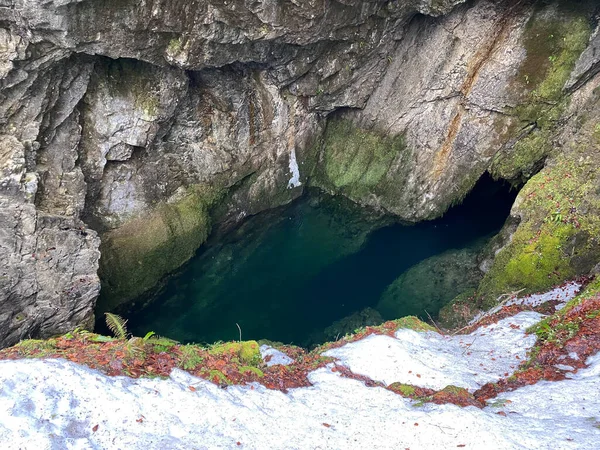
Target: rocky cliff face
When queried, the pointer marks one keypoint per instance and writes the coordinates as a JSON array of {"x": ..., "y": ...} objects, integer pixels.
[{"x": 149, "y": 122}]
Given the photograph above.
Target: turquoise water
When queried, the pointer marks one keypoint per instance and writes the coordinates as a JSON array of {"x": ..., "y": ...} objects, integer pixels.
[{"x": 288, "y": 274}]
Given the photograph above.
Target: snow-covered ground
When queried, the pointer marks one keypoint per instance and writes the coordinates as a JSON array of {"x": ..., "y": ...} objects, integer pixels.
[
  {"x": 56, "y": 404},
  {"x": 434, "y": 361},
  {"x": 561, "y": 294}
]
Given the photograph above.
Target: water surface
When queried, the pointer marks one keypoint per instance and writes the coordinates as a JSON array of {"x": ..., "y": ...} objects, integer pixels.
[{"x": 288, "y": 274}]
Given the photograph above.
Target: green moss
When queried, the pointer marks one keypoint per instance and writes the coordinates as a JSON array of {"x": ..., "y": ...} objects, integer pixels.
[
  {"x": 138, "y": 254},
  {"x": 455, "y": 390},
  {"x": 174, "y": 46},
  {"x": 216, "y": 376},
  {"x": 406, "y": 390},
  {"x": 557, "y": 237},
  {"x": 523, "y": 160},
  {"x": 554, "y": 40},
  {"x": 247, "y": 351},
  {"x": 190, "y": 357},
  {"x": 412, "y": 323},
  {"x": 356, "y": 161},
  {"x": 36, "y": 348},
  {"x": 259, "y": 373}
]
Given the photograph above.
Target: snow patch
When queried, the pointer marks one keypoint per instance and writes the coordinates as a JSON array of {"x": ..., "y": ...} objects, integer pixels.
[
  {"x": 58, "y": 404},
  {"x": 294, "y": 170},
  {"x": 434, "y": 361},
  {"x": 274, "y": 357},
  {"x": 561, "y": 294}
]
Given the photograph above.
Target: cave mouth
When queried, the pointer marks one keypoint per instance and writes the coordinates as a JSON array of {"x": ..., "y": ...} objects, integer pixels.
[{"x": 311, "y": 271}]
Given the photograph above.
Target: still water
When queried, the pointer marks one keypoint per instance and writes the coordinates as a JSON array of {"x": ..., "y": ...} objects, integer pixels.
[{"x": 287, "y": 275}]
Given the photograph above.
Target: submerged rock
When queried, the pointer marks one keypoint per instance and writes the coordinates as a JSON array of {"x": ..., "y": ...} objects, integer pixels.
[{"x": 432, "y": 283}]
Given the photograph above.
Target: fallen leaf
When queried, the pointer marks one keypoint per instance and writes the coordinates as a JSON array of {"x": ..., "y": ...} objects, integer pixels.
[
  {"x": 326, "y": 425},
  {"x": 192, "y": 388},
  {"x": 95, "y": 428}
]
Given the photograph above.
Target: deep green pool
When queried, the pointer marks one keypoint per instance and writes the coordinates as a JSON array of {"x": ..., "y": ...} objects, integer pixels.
[{"x": 288, "y": 274}]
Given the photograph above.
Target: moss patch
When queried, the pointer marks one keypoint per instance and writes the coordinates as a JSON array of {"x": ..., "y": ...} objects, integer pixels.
[
  {"x": 554, "y": 38},
  {"x": 355, "y": 161},
  {"x": 557, "y": 238},
  {"x": 248, "y": 351},
  {"x": 138, "y": 254}
]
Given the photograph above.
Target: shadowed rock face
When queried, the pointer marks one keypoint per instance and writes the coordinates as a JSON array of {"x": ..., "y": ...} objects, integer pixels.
[{"x": 151, "y": 121}]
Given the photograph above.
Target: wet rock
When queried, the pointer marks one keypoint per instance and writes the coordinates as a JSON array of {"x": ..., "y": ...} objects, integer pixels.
[{"x": 431, "y": 284}]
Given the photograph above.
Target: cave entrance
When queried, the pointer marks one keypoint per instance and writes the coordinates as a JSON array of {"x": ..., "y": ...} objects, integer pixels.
[{"x": 319, "y": 268}]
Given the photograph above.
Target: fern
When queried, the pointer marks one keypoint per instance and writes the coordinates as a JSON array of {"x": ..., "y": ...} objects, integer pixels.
[{"x": 116, "y": 324}]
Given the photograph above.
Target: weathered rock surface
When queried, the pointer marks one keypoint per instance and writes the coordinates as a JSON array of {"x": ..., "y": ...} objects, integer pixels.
[{"x": 150, "y": 121}]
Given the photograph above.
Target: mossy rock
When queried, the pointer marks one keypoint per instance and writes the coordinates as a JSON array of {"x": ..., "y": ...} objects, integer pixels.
[
  {"x": 431, "y": 284},
  {"x": 455, "y": 395},
  {"x": 558, "y": 237},
  {"x": 356, "y": 162},
  {"x": 405, "y": 390},
  {"x": 248, "y": 352},
  {"x": 138, "y": 254},
  {"x": 412, "y": 323},
  {"x": 554, "y": 38}
]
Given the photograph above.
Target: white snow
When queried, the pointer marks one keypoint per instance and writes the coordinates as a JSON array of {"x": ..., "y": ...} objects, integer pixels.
[
  {"x": 562, "y": 294},
  {"x": 274, "y": 357},
  {"x": 435, "y": 361},
  {"x": 55, "y": 404},
  {"x": 294, "y": 170}
]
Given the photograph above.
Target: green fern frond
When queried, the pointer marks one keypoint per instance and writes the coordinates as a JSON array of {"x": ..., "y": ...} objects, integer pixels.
[{"x": 116, "y": 324}]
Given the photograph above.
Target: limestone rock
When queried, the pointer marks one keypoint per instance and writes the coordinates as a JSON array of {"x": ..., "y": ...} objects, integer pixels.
[
  {"x": 48, "y": 263},
  {"x": 117, "y": 112}
]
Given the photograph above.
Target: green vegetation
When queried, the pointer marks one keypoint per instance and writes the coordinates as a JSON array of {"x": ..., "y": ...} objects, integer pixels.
[
  {"x": 174, "y": 46},
  {"x": 406, "y": 390},
  {"x": 247, "y": 351},
  {"x": 116, "y": 324},
  {"x": 190, "y": 357},
  {"x": 558, "y": 234},
  {"x": 412, "y": 323},
  {"x": 554, "y": 42},
  {"x": 555, "y": 329},
  {"x": 356, "y": 161}
]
